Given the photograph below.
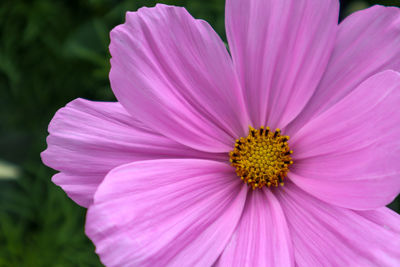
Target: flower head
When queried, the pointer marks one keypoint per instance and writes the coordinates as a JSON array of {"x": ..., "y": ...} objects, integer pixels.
[{"x": 172, "y": 174}]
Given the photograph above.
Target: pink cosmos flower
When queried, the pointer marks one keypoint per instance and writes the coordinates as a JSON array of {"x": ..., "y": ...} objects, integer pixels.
[{"x": 159, "y": 170}]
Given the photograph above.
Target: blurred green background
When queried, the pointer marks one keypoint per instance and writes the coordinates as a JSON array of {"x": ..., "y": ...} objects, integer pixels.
[{"x": 52, "y": 52}]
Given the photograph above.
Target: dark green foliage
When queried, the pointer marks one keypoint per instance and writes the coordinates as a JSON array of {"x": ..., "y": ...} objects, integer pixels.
[
  {"x": 39, "y": 226},
  {"x": 51, "y": 52}
]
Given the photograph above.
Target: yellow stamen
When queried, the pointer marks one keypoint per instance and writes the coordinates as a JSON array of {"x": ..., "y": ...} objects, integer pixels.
[{"x": 262, "y": 158}]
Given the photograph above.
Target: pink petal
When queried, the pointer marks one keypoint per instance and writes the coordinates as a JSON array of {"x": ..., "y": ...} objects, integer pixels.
[
  {"x": 367, "y": 43},
  {"x": 88, "y": 139},
  {"x": 383, "y": 217},
  {"x": 327, "y": 235},
  {"x": 349, "y": 155},
  {"x": 165, "y": 212},
  {"x": 280, "y": 50},
  {"x": 261, "y": 237},
  {"x": 174, "y": 73}
]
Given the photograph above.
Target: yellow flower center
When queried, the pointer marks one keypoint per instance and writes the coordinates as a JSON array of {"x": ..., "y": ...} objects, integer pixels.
[{"x": 262, "y": 158}]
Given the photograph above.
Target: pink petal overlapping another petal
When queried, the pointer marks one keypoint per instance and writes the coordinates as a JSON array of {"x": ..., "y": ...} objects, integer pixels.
[
  {"x": 262, "y": 237},
  {"x": 165, "y": 212},
  {"x": 87, "y": 139},
  {"x": 280, "y": 50},
  {"x": 174, "y": 73},
  {"x": 327, "y": 235},
  {"x": 367, "y": 42},
  {"x": 348, "y": 156}
]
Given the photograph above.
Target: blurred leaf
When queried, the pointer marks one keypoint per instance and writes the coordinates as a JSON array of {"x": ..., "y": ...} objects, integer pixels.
[
  {"x": 88, "y": 42},
  {"x": 8, "y": 170}
]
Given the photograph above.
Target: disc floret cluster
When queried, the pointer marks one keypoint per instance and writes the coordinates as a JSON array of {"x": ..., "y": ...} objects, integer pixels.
[{"x": 262, "y": 158}]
